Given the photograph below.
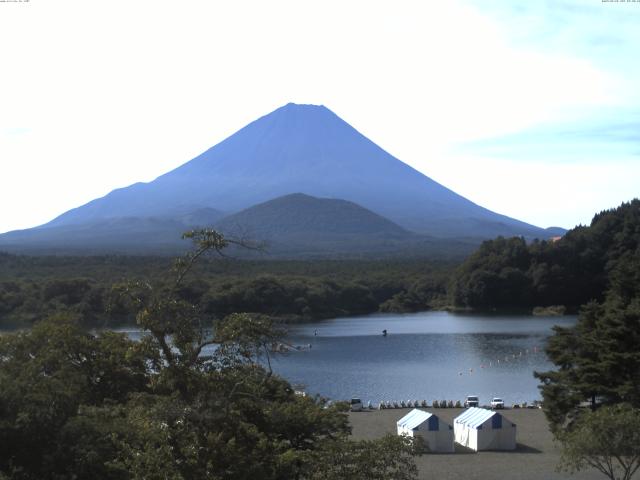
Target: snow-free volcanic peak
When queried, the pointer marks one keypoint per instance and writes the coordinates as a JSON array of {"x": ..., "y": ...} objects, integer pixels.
[{"x": 306, "y": 149}]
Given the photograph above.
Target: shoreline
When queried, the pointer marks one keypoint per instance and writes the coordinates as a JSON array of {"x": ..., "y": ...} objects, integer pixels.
[{"x": 292, "y": 320}]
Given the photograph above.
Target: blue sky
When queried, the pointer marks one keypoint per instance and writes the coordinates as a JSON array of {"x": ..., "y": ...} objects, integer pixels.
[
  {"x": 531, "y": 109},
  {"x": 605, "y": 35}
]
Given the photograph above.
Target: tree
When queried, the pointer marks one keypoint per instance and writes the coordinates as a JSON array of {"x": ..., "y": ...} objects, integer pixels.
[
  {"x": 387, "y": 458},
  {"x": 572, "y": 271},
  {"x": 47, "y": 377},
  {"x": 225, "y": 413},
  {"x": 598, "y": 360},
  {"x": 194, "y": 398},
  {"x": 607, "y": 440}
]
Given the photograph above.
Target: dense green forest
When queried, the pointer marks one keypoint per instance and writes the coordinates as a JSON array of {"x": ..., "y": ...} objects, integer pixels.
[
  {"x": 579, "y": 267},
  {"x": 75, "y": 404},
  {"x": 597, "y": 360},
  {"x": 502, "y": 274},
  {"x": 34, "y": 287}
]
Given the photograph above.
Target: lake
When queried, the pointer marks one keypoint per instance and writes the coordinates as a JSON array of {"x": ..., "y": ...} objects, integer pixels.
[
  {"x": 430, "y": 356},
  {"x": 425, "y": 356}
]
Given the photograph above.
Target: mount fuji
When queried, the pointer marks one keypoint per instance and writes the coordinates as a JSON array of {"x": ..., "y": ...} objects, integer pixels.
[{"x": 295, "y": 149}]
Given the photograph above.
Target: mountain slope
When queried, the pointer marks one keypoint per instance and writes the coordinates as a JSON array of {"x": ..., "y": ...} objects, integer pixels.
[
  {"x": 292, "y": 226},
  {"x": 302, "y": 216},
  {"x": 121, "y": 234},
  {"x": 309, "y": 149},
  {"x": 299, "y": 225}
]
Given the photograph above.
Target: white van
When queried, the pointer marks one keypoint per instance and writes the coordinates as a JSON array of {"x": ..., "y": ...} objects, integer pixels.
[
  {"x": 356, "y": 405},
  {"x": 472, "y": 401}
]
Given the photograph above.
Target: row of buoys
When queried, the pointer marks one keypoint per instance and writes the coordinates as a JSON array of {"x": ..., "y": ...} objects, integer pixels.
[
  {"x": 417, "y": 404},
  {"x": 384, "y": 405},
  {"x": 402, "y": 404},
  {"x": 506, "y": 359}
]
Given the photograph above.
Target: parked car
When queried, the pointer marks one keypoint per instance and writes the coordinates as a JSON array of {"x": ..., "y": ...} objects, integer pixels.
[
  {"x": 356, "y": 405},
  {"x": 497, "y": 403},
  {"x": 471, "y": 401}
]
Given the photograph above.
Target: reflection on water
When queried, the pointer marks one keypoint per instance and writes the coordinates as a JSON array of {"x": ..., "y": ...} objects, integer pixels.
[
  {"x": 433, "y": 355},
  {"x": 430, "y": 356}
]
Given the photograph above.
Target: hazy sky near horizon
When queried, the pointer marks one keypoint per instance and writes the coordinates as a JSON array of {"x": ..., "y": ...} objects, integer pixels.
[{"x": 531, "y": 109}]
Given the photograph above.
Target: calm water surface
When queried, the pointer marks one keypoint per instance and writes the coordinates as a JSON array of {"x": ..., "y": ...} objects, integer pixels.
[
  {"x": 425, "y": 356},
  {"x": 432, "y": 355}
]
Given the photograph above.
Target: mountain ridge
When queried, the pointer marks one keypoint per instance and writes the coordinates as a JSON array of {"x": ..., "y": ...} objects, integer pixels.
[
  {"x": 306, "y": 149},
  {"x": 291, "y": 226},
  {"x": 309, "y": 149},
  {"x": 298, "y": 213}
]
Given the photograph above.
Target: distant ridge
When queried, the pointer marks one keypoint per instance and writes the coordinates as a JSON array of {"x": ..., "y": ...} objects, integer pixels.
[
  {"x": 137, "y": 235},
  {"x": 296, "y": 148},
  {"x": 553, "y": 232},
  {"x": 299, "y": 223},
  {"x": 300, "y": 215},
  {"x": 292, "y": 226}
]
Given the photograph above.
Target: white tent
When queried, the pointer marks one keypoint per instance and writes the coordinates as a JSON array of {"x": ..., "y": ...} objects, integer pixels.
[
  {"x": 480, "y": 429},
  {"x": 438, "y": 435}
]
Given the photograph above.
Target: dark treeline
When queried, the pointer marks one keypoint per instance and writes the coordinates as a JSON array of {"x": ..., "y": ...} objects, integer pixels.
[
  {"x": 578, "y": 268},
  {"x": 33, "y": 287},
  {"x": 597, "y": 360},
  {"x": 501, "y": 274}
]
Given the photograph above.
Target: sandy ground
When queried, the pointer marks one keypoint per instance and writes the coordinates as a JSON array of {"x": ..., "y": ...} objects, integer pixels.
[{"x": 535, "y": 458}]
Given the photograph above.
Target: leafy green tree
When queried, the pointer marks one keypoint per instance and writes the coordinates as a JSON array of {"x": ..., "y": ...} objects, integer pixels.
[
  {"x": 47, "y": 375},
  {"x": 607, "y": 440},
  {"x": 194, "y": 398},
  {"x": 222, "y": 413},
  {"x": 391, "y": 457},
  {"x": 494, "y": 276},
  {"x": 598, "y": 360}
]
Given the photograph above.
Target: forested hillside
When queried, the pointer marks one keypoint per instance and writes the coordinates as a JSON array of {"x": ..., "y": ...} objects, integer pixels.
[
  {"x": 32, "y": 288},
  {"x": 501, "y": 274},
  {"x": 597, "y": 359},
  {"x": 581, "y": 266}
]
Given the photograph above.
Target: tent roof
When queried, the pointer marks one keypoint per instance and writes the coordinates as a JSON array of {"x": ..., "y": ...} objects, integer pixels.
[
  {"x": 414, "y": 418},
  {"x": 474, "y": 417}
]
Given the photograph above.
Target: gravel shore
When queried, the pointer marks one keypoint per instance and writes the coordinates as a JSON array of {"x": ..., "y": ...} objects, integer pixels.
[{"x": 535, "y": 458}]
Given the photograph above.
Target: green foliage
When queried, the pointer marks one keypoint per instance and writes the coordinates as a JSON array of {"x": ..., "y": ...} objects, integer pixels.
[
  {"x": 291, "y": 298},
  {"x": 81, "y": 405},
  {"x": 598, "y": 359},
  {"x": 580, "y": 267},
  {"x": 425, "y": 293},
  {"x": 32, "y": 288},
  {"x": 46, "y": 376},
  {"x": 607, "y": 440},
  {"x": 493, "y": 276},
  {"x": 387, "y": 458}
]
